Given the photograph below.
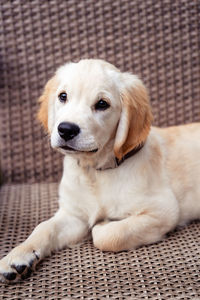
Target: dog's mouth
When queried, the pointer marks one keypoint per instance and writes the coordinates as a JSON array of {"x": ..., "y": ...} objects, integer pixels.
[{"x": 67, "y": 148}]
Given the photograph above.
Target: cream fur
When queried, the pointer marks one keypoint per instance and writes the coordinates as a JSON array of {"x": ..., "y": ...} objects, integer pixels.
[{"x": 127, "y": 206}]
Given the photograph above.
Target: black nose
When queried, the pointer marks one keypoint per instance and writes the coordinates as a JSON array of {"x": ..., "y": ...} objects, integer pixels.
[{"x": 68, "y": 131}]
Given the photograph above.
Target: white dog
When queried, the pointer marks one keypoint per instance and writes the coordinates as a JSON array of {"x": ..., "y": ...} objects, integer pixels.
[{"x": 123, "y": 180}]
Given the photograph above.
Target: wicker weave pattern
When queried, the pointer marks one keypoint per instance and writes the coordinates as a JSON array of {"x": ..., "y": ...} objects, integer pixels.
[
  {"x": 159, "y": 40},
  {"x": 168, "y": 270}
]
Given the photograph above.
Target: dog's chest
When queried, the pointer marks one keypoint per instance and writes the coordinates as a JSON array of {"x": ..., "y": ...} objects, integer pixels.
[{"x": 101, "y": 195}]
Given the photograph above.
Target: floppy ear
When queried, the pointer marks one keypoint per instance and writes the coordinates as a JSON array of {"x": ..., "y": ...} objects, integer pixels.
[
  {"x": 136, "y": 117},
  {"x": 42, "y": 115}
]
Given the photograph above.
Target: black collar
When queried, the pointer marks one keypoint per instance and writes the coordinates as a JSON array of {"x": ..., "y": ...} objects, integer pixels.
[{"x": 129, "y": 154}]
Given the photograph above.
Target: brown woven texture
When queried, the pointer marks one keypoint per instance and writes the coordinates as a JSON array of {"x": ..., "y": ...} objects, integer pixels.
[
  {"x": 167, "y": 270},
  {"x": 158, "y": 40}
]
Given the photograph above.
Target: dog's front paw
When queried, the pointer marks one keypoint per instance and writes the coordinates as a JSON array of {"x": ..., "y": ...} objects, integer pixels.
[{"x": 19, "y": 263}]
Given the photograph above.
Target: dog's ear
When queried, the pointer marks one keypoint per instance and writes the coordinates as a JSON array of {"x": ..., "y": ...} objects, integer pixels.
[
  {"x": 136, "y": 117},
  {"x": 49, "y": 89}
]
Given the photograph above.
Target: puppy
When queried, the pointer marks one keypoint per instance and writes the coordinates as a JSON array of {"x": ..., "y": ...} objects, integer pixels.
[{"x": 124, "y": 181}]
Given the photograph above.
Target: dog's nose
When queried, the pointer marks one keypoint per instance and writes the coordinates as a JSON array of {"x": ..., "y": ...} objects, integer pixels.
[{"x": 68, "y": 131}]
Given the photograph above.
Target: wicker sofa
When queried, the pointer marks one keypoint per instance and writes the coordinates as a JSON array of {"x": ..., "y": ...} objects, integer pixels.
[{"x": 158, "y": 40}]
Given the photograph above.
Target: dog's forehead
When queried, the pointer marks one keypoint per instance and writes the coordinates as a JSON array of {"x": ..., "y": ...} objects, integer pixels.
[{"x": 87, "y": 75}]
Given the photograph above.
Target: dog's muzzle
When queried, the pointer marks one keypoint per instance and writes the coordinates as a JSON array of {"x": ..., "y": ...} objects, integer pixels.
[{"x": 67, "y": 132}]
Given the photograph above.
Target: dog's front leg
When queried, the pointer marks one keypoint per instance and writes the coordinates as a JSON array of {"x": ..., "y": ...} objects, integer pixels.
[
  {"x": 132, "y": 232},
  {"x": 59, "y": 231}
]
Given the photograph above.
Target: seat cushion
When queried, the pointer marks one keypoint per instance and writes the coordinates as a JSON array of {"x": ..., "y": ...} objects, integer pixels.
[{"x": 164, "y": 270}]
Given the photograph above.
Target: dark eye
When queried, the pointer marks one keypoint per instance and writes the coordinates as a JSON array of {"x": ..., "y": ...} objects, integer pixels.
[
  {"x": 62, "y": 97},
  {"x": 101, "y": 105}
]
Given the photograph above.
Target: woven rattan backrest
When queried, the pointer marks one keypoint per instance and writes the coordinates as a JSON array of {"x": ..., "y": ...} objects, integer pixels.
[{"x": 158, "y": 40}]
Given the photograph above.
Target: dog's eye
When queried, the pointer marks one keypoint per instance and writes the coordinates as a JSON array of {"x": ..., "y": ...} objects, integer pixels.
[
  {"x": 101, "y": 105},
  {"x": 62, "y": 97}
]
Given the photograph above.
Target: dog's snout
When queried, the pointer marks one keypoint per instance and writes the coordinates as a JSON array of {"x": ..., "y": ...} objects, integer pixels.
[{"x": 68, "y": 131}]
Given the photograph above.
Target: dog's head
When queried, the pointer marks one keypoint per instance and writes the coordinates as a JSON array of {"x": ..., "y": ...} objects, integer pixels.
[{"x": 90, "y": 107}]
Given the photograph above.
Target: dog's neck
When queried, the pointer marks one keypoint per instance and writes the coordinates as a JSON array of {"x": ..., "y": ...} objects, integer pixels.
[
  {"x": 115, "y": 162},
  {"x": 109, "y": 161}
]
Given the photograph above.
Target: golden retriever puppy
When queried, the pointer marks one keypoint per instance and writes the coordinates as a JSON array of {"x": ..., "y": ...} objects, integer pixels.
[{"x": 124, "y": 181}]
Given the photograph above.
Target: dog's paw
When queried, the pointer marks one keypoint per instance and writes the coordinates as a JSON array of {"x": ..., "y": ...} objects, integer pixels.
[{"x": 18, "y": 264}]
